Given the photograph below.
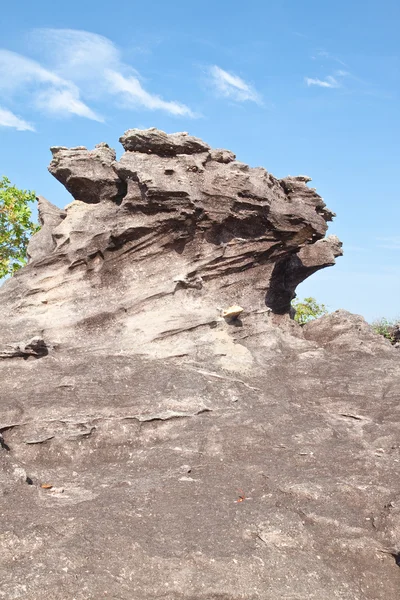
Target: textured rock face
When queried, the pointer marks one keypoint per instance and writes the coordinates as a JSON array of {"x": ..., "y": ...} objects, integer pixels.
[
  {"x": 88, "y": 175},
  {"x": 174, "y": 214},
  {"x": 342, "y": 330},
  {"x": 152, "y": 447}
]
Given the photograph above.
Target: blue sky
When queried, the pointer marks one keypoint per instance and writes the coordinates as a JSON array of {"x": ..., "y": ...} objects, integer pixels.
[{"x": 306, "y": 87}]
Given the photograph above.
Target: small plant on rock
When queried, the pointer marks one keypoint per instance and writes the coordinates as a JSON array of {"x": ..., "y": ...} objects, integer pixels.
[
  {"x": 307, "y": 310},
  {"x": 387, "y": 328}
]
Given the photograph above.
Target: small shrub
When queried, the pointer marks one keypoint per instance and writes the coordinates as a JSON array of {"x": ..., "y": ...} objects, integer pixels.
[
  {"x": 387, "y": 328},
  {"x": 307, "y": 310}
]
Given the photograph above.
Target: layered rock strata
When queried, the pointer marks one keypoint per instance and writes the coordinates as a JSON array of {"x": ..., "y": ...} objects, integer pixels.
[
  {"x": 174, "y": 232},
  {"x": 166, "y": 429}
]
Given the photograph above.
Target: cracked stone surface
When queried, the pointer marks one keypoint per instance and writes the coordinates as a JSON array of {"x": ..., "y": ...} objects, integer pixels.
[{"x": 151, "y": 448}]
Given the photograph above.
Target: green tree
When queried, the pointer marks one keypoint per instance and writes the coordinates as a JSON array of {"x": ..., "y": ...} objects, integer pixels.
[
  {"x": 307, "y": 310},
  {"x": 16, "y": 226}
]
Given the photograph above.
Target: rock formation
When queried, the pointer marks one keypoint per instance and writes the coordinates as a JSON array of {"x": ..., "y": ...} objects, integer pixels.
[{"x": 167, "y": 430}]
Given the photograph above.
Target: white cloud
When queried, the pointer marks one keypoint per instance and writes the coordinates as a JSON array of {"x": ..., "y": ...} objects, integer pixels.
[
  {"x": 94, "y": 63},
  {"x": 342, "y": 73},
  {"x": 232, "y": 86},
  {"x": 61, "y": 101},
  {"x": 8, "y": 119},
  {"x": 16, "y": 70},
  {"x": 48, "y": 90},
  {"x": 135, "y": 95},
  {"x": 77, "y": 54},
  {"x": 76, "y": 65},
  {"x": 328, "y": 82}
]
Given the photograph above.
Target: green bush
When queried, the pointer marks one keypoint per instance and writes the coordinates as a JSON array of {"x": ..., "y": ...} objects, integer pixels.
[
  {"x": 16, "y": 226},
  {"x": 386, "y": 327},
  {"x": 307, "y": 310}
]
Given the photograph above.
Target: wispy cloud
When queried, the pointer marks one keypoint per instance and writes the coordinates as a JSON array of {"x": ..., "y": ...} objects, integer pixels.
[
  {"x": 94, "y": 63},
  {"x": 232, "y": 86},
  {"x": 78, "y": 68},
  {"x": 135, "y": 95},
  {"x": 60, "y": 101},
  {"x": 330, "y": 81},
  {"x": 328, "y": 55},
  {"x": 8, "y": 119},
  {"x": 47, "y": 90},
  {"x": 76, "y": 54}
]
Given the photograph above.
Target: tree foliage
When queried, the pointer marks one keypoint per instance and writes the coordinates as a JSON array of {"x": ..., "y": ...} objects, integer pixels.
[
  {"x": 16, "y": 226},
  {"x": 307, "y": 310}
]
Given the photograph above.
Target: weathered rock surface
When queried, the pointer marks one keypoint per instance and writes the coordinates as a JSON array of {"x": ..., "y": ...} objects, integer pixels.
[
  {"x": 34, "y": 347},
  {"x": 42, "y": 244},
  {"x": 87, "y": 175},
  {"x": 343, "y": 331},
  {"x": 151, "y": 447}
]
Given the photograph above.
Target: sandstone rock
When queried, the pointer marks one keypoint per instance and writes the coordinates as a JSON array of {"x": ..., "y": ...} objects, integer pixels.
[
  {"x": 288, "y": 273},
  {"x": 42, "y": 243},
  {"x": 87, "y": 175},
  {"x": 157, "y": 142},
  {"x": 232, "y": 312},
  {"x": 193, "y": 456},
  {"x": 342, "y": 331}
]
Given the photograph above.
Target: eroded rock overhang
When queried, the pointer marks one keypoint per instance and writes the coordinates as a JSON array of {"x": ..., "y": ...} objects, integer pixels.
[{"x": 175, "y": 198}]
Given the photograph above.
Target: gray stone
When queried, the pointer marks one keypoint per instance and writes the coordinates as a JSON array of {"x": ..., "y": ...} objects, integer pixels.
[
  {"x": 158, "y": 142},
  {"x": 42, "y": 243},
  {"x": 161, "y": 451},
  {"x": 342, "y": 331},
  {"x": 87, "y": 174}
]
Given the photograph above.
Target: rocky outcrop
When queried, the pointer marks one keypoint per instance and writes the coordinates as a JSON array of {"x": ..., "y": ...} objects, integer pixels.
[
  {"x": 87, "y": 175},
  {"x": 207, "y": 217},
  {"x": 342, "y": 331},
  {"x": 182, "y": 231},
  {"x": 166, "y": 429}
]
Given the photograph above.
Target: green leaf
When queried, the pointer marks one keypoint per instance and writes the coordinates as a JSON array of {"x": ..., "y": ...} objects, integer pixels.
[
  {"x": 307, "y": 310},
  {"x": 16, "y": 226}
]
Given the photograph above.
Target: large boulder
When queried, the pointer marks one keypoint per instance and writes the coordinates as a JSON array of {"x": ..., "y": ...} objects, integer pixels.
[{"x": 167, "y": 430}]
